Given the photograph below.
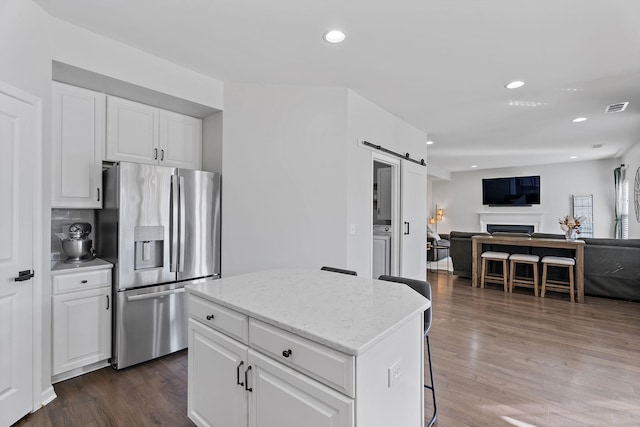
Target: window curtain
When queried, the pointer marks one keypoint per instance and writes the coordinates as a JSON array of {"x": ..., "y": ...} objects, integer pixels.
[{"x": 619, "y": 208}]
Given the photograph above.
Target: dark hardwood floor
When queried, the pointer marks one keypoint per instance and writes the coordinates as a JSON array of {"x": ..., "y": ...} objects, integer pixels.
[
  {"x": 499, "y": 360},
  {"x": 515, "y": 360},
  {"x": 150, "y": 394}
]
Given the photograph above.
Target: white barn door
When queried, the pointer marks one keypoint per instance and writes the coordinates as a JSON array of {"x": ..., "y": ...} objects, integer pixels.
[
  {"x": 413, "y": 228},
  {"x": 19, "y": 130}
]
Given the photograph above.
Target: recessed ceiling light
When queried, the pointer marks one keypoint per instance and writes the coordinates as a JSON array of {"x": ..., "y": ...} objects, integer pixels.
[
  {"x": 573, "y": 157},
  {"x": 579, "y": 119},
  {"x": 429, "y": 142},
  {"x": 515, "y": 84},
  {"x": 474, "y": 166},
  {"x": 334, "y": 36}
]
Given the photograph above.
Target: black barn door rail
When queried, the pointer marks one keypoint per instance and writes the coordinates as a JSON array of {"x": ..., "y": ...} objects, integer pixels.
[{"x": 393, "y": 153}]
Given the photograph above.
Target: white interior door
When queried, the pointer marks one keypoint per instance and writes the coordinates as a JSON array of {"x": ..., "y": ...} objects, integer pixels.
[
  {"x": 18, "y": 134},
  {"x": 413, "y": 232}
]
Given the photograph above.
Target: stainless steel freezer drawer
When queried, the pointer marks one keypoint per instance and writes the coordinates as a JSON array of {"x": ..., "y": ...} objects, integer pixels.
[{"x": 149, "y": 322}]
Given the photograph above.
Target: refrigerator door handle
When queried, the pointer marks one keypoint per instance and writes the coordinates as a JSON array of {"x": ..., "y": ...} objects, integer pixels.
[
  {"x": 175, "y": 217},
  {"x": 182, "y": 226},
  {"x": 153, "y": 295}
]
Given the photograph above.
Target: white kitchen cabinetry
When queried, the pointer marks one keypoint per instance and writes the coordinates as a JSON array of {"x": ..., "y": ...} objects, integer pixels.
[
  {"x": 132, "y": 131},
  {"x": 230, "y": 384},
  {"x": 140, "y": 133},
  {"x": 281, "y": 396},
  {"x": 216, "y": 396},
  {"x": 180, "y": 140},
  {"x": 78, "y": 134},
  {"x": 81, "y": 321},
  {"x": 305, "y": 348}
]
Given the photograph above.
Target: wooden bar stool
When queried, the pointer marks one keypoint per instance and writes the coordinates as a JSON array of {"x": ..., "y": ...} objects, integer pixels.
[
  {"x": 525, "y": 282},
  {"x": 557, "y": 285},
  {"x": 495, "y": 278}
]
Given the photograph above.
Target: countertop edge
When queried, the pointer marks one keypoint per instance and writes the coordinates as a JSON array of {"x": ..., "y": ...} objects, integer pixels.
[
  {"x": 60, "y": 267},
  {"x": 313, "y": 337}
]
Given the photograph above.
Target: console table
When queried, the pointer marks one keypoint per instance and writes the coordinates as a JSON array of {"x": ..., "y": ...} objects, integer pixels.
[{"x": 576, "y": 245}]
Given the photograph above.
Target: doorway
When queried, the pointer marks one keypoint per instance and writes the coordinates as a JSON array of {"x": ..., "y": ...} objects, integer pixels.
[{"x": 385, "y": 180}]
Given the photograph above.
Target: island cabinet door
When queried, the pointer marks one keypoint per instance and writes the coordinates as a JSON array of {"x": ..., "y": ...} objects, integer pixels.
[
  {"x": 283, "y": 397},
  {"x": 217, "y": 368}
]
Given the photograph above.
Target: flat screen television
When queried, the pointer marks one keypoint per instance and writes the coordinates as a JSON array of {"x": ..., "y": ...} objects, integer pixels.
[{"x": 511, "y": 191}]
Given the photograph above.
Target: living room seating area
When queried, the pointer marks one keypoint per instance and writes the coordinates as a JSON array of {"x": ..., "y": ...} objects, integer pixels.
[{"x": 611, "y": 266}]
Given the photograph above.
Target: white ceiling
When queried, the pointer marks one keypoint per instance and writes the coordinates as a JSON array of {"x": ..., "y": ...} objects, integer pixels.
[{"x": 441, "y": 65}]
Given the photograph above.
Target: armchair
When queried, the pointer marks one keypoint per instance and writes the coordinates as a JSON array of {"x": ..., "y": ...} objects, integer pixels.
[{"x": 437, "y": 240}]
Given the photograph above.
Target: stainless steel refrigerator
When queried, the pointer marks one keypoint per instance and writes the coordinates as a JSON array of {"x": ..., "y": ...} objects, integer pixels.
[{"x": 160, "y": 227}]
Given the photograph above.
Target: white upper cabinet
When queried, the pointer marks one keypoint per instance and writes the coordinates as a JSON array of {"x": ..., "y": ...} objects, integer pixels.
[
  {"x": 77, "y": 145},
  {"x": 180, "y": 140},
  {"x": 132, "y": 131},
  {"x": 143, "y": 134}
]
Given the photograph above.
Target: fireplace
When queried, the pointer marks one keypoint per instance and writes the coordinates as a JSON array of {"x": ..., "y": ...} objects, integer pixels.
[
  {"x": 510, "y": 228},
  {"x": 509, "y": 219}
]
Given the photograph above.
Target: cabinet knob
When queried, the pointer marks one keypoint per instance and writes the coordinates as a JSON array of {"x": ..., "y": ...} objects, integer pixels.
[
  {"x": 85, "y": 281},
  {"x": 210, "y": 316},
  {"x": 286, "y": 353}
]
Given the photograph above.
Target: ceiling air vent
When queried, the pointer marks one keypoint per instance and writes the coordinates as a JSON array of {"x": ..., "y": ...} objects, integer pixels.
[{"x": 616, "y": 108}]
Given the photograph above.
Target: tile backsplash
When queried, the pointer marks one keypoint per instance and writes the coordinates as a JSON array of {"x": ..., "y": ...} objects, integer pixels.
[{"x": 61, "y": 219}]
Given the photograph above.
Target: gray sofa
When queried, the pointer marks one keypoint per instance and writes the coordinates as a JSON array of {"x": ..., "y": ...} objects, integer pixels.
[{"x": 611, "y": 266}]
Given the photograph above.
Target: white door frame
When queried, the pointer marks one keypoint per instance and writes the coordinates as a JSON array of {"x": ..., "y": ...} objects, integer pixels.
[
  {"x": 395, "y": 210},
  {"x": 38, "y": 393}
]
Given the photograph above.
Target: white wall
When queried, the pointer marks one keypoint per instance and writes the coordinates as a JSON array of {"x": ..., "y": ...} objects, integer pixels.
[
  {"x": 461, "y": 197},
  {"x": 368, "y": 121},
  {"x": 284, "y": 162},
  {"x": 26, "y": 64},
  {"x": 632, "y": 159},
  {"x": 212, "y": 135},
  {"x": 90, "y": 51}
]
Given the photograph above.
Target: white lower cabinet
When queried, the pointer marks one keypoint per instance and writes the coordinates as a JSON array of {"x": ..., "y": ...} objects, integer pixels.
[
  {"x": 231, "y": 384},
  {"x": 217, "y": 365},
  {"x": 281, "y": 396},
  {"x": 81, "y": 322}
]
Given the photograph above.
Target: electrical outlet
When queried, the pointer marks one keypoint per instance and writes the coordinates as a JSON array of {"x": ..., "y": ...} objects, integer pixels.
[{"x": 394, "y": 372}]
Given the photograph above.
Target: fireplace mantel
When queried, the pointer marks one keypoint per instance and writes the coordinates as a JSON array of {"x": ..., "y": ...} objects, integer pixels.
[{"x": 511, "y": 218}]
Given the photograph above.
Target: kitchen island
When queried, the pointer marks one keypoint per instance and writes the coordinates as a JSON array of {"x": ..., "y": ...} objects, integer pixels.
[{"x": 314, "y": 348}]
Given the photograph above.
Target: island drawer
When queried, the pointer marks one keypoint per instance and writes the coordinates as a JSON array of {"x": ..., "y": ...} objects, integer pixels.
[
  {"x": 229, "y": 322},
  {"x": 69, "y": 282},
  {"x": 328, "y": 366}
]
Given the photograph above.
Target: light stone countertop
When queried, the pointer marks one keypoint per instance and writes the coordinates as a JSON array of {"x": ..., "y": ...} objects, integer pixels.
[
  {"x": 61, "y": 267},
  {"x": 349, "y": 314}
]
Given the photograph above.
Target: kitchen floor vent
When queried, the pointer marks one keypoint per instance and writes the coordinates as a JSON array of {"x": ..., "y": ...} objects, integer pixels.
[{"x": 616, "y": 108}]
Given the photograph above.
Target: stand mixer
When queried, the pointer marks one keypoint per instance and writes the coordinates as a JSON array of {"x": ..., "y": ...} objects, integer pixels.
[{"x": 78, "y": 246}]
